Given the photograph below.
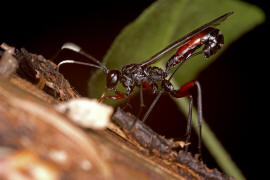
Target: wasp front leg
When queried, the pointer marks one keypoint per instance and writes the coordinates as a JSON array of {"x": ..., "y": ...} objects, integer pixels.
[{"x": 119, "y": 95}]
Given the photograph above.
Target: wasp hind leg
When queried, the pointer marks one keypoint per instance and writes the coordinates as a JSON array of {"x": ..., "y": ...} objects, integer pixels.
[{"x": 186, "y": 91}]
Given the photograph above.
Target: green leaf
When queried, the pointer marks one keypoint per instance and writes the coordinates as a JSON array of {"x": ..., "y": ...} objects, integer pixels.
[{"x": 166, "y": 21}]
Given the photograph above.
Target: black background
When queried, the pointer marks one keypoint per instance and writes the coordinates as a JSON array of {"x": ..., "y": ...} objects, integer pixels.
[{"x": 232, "y": 90}]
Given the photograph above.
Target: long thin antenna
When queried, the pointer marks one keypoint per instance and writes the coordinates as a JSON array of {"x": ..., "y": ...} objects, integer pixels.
[
  {"x": 77, "y": 62},
  {"x": 78, "y": 49}
]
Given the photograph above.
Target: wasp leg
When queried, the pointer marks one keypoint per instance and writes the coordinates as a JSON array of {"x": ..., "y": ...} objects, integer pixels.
[
  {"x": 186, "y": 90},
  {"x": 140, "y": 109},
  {"x": 119, "y": 95}
]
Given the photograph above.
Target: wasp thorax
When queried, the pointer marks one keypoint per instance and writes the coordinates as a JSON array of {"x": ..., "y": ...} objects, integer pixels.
[
  {"x": 214, "y": 42},
  {"x": 112, "y": 78}
]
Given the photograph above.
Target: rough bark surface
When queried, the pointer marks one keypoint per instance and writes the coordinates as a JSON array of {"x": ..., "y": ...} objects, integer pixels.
[{"x": 36, "y": 141}]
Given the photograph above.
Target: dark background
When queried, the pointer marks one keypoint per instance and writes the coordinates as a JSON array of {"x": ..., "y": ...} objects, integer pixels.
[{"x": 230, "y": 85}]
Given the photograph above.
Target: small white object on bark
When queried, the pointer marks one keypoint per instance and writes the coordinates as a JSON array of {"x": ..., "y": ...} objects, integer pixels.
[{"x": 87, "y": 113}]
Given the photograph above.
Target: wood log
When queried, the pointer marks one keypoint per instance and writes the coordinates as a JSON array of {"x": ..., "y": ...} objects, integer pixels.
[{"x": 37, "y": 141}]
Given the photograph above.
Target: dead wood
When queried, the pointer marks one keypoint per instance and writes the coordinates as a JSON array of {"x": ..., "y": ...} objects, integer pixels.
[{"x": 33, "y": 135}]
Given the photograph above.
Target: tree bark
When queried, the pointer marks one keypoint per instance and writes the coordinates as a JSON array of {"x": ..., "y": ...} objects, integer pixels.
[{"x": 33, "y": 135}]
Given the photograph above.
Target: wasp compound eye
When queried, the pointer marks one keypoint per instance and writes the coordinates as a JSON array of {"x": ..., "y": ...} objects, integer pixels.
[{"x": 112, "y": 78}]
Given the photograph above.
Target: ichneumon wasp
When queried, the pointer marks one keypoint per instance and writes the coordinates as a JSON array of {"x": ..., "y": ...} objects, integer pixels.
[{"x": 143, "y": 75}]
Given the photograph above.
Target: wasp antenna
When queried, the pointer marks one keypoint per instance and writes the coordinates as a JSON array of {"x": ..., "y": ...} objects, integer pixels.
[
  {"x": 78, "y": 49},
  {"x": 77, "y": 62},
  {"x": 71, "y": 46}
]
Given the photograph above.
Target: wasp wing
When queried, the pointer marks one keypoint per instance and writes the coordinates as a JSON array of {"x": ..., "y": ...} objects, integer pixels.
[{"x": 184, "y": 39}]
